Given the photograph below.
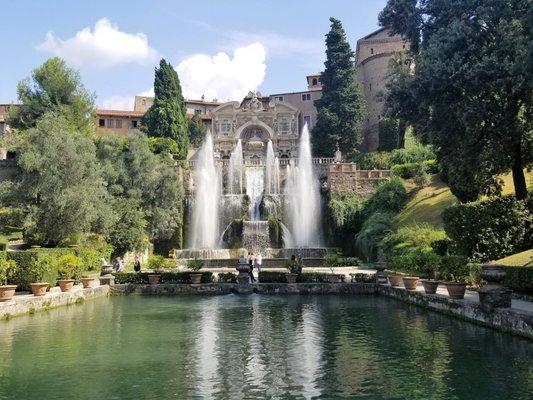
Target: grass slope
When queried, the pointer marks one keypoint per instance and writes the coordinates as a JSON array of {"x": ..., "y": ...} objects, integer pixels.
[{"x": 519, "y": 259}]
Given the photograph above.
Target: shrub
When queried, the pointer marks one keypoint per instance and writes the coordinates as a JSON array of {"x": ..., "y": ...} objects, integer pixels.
[
  {"x": 331, "y": 260},
  {"x": 390, "y": 196},
  {"x": 420, "y": 176},
  {"x": 442, "y": 247},
  {"x": 272, "y": 277},
  {"x": 227, "y": 277},
  {"x": 373, "y": 230},
  {"x": 348, "y": 261},
  {"x": 7, "y": 268},
  {"x": 488, "y": 230},
  {"x": 195, "y": 264},
  {"x": 519, "y": 279},
  {"x": 157, "y": 262},
  {"x": 68, "y": 266},
  {"x": 90, "y": 257},
  {"x": 410, "y": 238},
  {"x": 454, "y": 268},
  {"x": 305, "y": 277},
  {"x": 388, "y": 130},
  {"x": 345, "y": 211},
  {"x": 166, "y": 277},
  {"x": 292, "y": 266}
]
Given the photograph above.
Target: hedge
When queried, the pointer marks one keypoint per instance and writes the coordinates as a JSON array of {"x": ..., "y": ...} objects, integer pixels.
[
  {"x": 166, "y": 277},
  {"x": 306, "y": 277},
  {"x": 488, "y": 230},
  {"x": 519, "y": 279}
]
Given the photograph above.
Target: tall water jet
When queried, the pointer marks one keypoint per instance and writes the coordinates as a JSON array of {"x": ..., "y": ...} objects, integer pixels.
[
  {"x": 205, "y": 218},
  {"x": 272, "y": 171},
  {"x": 303, "y": 197},
  {"x": 255, "y": 183},
  {"x": 235, "y": 170}
]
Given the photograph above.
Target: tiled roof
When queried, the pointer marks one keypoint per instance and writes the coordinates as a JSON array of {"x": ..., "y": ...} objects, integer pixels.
[{"x": 119, "y": 113}]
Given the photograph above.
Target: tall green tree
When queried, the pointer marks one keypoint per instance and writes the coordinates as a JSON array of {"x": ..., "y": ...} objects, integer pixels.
[
  {"x": 341, "y": 107},
  {"x": 60, "y": 187},
  {"x": 54, "y": 87},
  {"x": 167, "y": 116},
  {"x": 197, "y": 130},
  {"x": 470, "y": 95}
]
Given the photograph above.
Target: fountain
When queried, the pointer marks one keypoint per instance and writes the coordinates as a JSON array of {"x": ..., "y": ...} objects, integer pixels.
[
  {"x": 205, "y": 221},
  {"x": 235, "y": 170},
  {"x": 272, "y": 171},
  {"x": 303, "y": 197},
  {"x": 254, "y": 189}
]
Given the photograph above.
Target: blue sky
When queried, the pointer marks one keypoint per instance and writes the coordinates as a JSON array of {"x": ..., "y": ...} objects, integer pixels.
[{"x": 220, "y": 48}]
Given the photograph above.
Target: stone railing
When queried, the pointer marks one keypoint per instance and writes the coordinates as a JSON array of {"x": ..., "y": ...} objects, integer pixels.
[{"x": 260, "y": 163}]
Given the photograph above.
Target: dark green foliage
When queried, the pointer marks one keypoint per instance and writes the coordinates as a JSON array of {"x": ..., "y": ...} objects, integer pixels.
[
  {"x": 388, "y": 134},
  {"x": 442, "y": 247},
  {"x": 163, "y": 145},
  {"x": 233, "y": 235},
  {"x": 412, "y": 170},
  {"x": 519, "y": 279},
  {"x": 454, "y": 268},
  {"x": 343, "y": 220},
  {"x": 390, "y": 197},
  {"x": 227, "y": 277},
  {"x": 412, "y": 154},
  {"x": 128, "y": 232},
  {"x": 471, "y": 93},
  {"x": 166, "y": 118},
  {"x": 166, "y": 277},
  {"x": 488, "y": 230},
  {"x": 305, "y": 277},
  {"x": 341, "y": 107},
  {"x": 274, "y": 229},
  {"x": 375, "y": 228},
  {"x": 54, "y": 88},
  {"x": 197, "y": 130}
]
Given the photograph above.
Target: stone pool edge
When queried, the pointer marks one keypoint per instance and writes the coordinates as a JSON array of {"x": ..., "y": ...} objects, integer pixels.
[{"x": 31, "y": 304}]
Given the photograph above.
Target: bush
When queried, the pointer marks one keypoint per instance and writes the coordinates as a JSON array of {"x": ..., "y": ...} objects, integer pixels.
[
  {"x": 454, "y": 268},
  {"x": 227, "y": 277},
  {"x": 157, "y": 262},
  {"x": 292, "y": 266},
  {"x": 195, "y": 264},
  {"x": 410, "y": 238},
  {"x": 272, "y": 277},
  {"x": 488, "y": 230},
  {"x": 68, "y": 266},
  {"x": 305, "y": 277},
  {"x": 390, "y": 196},
  {"x": 388, "y": 129},
  {"x": 374, "y": 229},
  {"x": 166, "y": 277},
  {"x": 90, "y": 257},
  {"x": 519, "y": 279},
  {"x": 7, "y": 268}
]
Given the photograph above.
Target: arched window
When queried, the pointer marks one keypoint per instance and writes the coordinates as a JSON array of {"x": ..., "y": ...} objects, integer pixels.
[{"x": 315, "y": 82}]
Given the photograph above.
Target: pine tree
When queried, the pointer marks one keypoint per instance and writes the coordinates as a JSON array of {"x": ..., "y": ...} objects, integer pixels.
[
  {"x": 341, "y": 108},
  {"x": 166, "y": 117}
]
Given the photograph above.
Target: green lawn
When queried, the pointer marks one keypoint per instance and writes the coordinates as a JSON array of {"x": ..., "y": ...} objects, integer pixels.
[{"x": 519, "y": 259}]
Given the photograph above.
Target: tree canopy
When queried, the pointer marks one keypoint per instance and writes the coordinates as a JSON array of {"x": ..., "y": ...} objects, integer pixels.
[
  {"x": 341, "y": 107},
  {"x": 167, "y": 118},
  {"x": 197, "y": 130},
  {"x": 470, "y": 95},
  {"x": 54, "y": 87}
]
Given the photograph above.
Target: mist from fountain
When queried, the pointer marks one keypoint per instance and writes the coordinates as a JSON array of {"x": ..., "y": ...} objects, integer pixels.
[
  {"x": 235, "y": 170},
  {"x": 205, "y": 222},
  {"x": 303, "y": 197},
  {"x": 272, "y": 171},
  {"x": 255, "y": 182}
]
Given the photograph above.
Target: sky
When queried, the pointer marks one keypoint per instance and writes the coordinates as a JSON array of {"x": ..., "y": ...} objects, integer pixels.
[{"x": 221, "y": 49}]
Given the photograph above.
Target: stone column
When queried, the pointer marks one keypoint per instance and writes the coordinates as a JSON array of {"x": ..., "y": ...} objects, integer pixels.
[{"x": 494, "y": 294}]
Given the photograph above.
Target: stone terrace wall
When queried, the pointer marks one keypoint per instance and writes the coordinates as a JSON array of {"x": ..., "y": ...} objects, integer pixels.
[{"x": 345, "y": 178}]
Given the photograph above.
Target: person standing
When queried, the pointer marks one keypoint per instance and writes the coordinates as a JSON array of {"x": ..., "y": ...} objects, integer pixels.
[
  {"x": 251, "y": 265},
  {"x": 137, "y": 264},
  {"x": 259, "y": 264}
]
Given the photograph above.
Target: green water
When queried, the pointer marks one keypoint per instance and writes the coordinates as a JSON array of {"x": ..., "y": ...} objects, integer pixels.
[{"x": 256, "y": 347}]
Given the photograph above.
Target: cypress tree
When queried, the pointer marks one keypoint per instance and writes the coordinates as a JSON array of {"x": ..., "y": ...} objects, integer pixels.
[
  {"x": 166, "y": 117},
  {"x": 341, "y": 108}
]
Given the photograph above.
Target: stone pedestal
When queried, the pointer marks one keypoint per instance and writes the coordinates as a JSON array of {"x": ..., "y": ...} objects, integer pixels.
[
  {"x": 380, "y": 266},
  {"x": 107, "y": 280},
  {"x": 243, "y": 279},
  {"x": 493, "y": 294}
]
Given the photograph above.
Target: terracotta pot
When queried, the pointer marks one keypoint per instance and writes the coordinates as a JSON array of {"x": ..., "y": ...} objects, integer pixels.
[
  {"x": 153, "y": 279},
  {"x": 291, "y": 278},
  {"x": 430, "y": 286},
  {"x": 395, "y": 280},
  {"x": 88, "y": 282},
  {"x": 196, "y": 278},
  {"x": 456, "y": 290},
  {"x": 334, "y": 278},
  {"x": 66, "y": 285},
  {"x": 7, "y": 292},
  {"x": 39, "y": 288},
  {"x": 410, "y": 282}
]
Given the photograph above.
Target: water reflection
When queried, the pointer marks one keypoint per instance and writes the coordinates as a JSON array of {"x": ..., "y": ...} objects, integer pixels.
[{"x": 258, "y": 347}]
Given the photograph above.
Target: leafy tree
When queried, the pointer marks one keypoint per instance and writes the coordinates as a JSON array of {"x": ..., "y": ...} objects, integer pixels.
[
  {"x": 403, "y": 17},
  {"x": 197, "y": 130},
  {"x": 471, "y": 93},
  {"x": 166, "y": 117},
  {"x": 54, "y": 87},
  {"x": 128, "y": 232},
  {"x": 388, "y": 134},
  {"x": 60, "y": 185},
  {"x": 341, "y": 107}
]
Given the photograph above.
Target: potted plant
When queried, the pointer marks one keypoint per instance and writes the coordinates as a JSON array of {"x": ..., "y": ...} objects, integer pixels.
[
  {"x": 428, "y": 263},
  {"x": 331, "y": 261},
  {"x": 195, "y": 265},
  {"x": 68, "y": 268},
  {"x": 7, "y": 267},
  {"x": 88, "y": 282},
  {"x": 156, "y": 263},
  {"x": 394, "y": 279},
  {"x": 292, "y": 267},
  {"x": 39, "y": 267},
  {"x": 455, "y": 271},
  {"x": 408, "y": 263}
]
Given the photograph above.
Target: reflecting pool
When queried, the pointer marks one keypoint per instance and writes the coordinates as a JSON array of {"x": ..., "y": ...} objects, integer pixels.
[{"x": 257, "y": 347}]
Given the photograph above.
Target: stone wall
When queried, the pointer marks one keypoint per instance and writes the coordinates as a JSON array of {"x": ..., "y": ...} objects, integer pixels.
[{"x": 346, "y": 179}]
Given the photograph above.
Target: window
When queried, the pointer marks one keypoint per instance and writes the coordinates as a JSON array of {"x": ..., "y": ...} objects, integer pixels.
[
  {"x": 284, "y": 125},
  {"x": 371, "y": 50},
  {"x": 278, "y": 98},
  {"x": 197, "y": 111},
  {"x": 101, "y": 122},
  {"x": 134, "y": 123},
  {"x": 315, "y": 81},
  {"x": 225, "y": 125},
  {"x": 306, "y": 96},
  {"x": 118, "y": 123},
  {"x": 307, "y": 120},
  {"x": 370, "y": 86},
  {"x": 109, "y": 123},
  {"x": 144, "y": 102}
]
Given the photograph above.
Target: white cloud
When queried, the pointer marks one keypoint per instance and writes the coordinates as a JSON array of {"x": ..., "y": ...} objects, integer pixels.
[
  {"x": 221, "y": 76},
  {"x": 103, "y": 47}
]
